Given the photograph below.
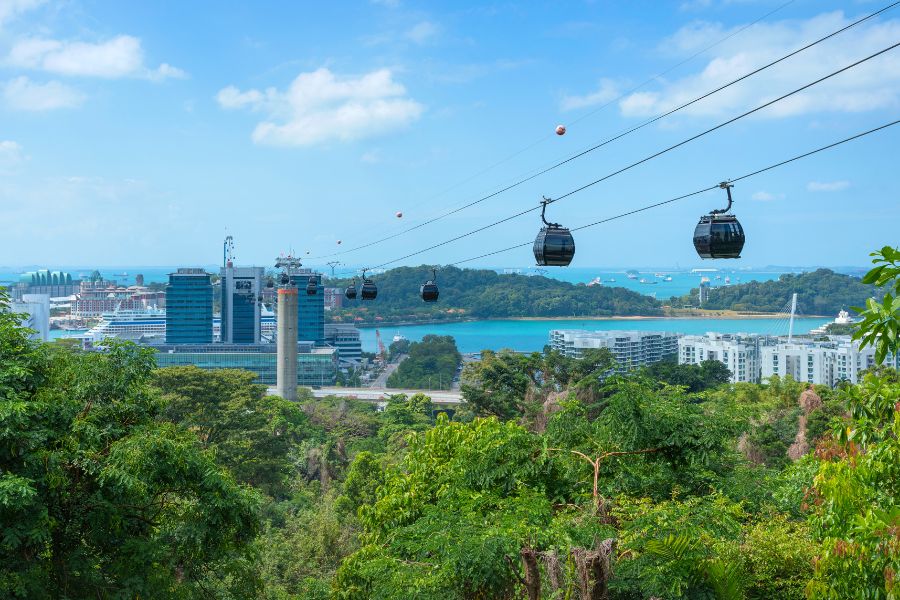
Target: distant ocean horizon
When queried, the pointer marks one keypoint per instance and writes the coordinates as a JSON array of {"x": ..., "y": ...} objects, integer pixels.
[{"x": 655, "y": 285}]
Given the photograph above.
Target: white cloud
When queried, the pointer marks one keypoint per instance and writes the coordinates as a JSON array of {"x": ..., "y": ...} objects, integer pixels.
[
  {"x": 827, "y": 186},
  {"x": 606, "y": 91},
  {"x": 10, "y": 155},
  {"x": 387, "y": 3},
  {"x": 422, "y": 32},
  {"x": 23, "y": 94},
  {"x": 121, "y": 56},
  {"x": 231, "y": 97},
  {"x": 763, "y": 196},
  {"x": 871, "y": 86},
  {"x": 9, "y": 9},
  {"x": 319, "y": 107}
]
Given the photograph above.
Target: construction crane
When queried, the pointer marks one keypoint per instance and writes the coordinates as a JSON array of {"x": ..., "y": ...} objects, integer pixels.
[{"x": 382, "y": 351}]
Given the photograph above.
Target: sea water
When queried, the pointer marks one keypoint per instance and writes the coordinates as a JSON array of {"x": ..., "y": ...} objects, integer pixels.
[{"x": 533, "y": 335}]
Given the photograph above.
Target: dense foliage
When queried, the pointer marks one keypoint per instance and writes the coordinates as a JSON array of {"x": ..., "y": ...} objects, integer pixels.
[
  {"x": 821, "y": 292},
  {"x": 556, "y": 479},
  {"x": 431, "y": 364},
  {"x": 479, "y": 293},
  {"x": 696, "y": 378},
  {"x": 100, "y": 497}
]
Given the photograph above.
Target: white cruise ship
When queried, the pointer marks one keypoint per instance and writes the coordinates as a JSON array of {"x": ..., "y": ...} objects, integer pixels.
[
  {"x": 150, "y": 323},
  {"x": 128, "y": 325}
]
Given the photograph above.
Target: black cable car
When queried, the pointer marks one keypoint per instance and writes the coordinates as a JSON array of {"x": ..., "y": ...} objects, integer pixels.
[
  {"x": 350, "y": 292},
  {"x": 284, "y": 280},
  {"x": 368, "y": 290},
  {"x": 719, "y": 234},
  {"x": 312, "y": 285},
  {"x": 554, "y": 245},
  {"x": 429, "y": 289}
]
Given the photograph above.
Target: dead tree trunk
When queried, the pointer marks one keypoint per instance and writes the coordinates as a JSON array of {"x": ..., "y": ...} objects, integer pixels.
[{"x": 532, "y": 573}]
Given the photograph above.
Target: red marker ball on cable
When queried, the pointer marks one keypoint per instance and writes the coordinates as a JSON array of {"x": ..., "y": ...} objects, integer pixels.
[{"x": 560, "y": 130}]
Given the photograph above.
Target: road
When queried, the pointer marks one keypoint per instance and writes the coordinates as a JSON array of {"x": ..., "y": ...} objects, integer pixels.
[
  {"x": 381, "y": 380},
  {"x": 439, "y": 397}
]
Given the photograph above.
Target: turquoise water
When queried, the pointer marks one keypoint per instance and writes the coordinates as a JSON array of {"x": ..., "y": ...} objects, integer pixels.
[{"x": 527, "y": 336}]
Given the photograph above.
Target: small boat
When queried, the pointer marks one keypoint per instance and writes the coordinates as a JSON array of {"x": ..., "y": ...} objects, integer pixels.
[
  {"x": 595, "y": 281},
  {"x": 728, "y": 281},
  {"x": 613, "y": 280},
  {"x": 648, "y": 282},
  {"x": 668, "y": 278},
  {"x": 631, "y": 276}
]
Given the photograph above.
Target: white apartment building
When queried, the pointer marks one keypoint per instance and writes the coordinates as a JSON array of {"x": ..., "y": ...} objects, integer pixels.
[
  {"x": 36, "y": 308},
  {"x": 737, "y": 351},
  {"x": 826, "y": 363},
  {"x": 632, "y": 349}
]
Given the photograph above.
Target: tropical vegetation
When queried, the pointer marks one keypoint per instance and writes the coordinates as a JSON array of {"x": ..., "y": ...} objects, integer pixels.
[
  {"x": 557, "y": 478},
  {"x": 430, "y": 364}
]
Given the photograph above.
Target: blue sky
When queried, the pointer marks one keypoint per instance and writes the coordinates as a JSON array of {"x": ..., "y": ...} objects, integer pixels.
[{"x": 136, "y": 133}]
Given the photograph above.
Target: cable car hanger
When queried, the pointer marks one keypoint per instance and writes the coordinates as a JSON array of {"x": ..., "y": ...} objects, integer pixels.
[
  {"x": 429, "y": 290},
  {"x": 554, "y": 245}
]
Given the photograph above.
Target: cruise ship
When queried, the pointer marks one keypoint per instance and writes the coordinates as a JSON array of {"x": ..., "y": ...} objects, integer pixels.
[
  {"x": 150, "y": 325},
  {"x": 128, "y": 325}
]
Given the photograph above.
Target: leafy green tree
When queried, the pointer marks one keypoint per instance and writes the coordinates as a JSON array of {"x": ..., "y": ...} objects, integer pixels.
[
  {"x": 98, "y": 497},
  {"x": 880, "y": 327},
  {"x": 252, "y": 434},
  {"x": 696, "y": 378},
  {"x": 856, "y": 510},
  {"x": 432, "y": 364}
]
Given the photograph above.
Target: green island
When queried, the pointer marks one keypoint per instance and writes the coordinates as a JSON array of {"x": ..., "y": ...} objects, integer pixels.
[
  {"x": 552, "y": 480},
  {"x": 486, "y": 294}
]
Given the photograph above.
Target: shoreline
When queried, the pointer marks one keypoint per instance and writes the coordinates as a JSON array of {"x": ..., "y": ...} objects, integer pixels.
[{"x": 718, "y": 315}]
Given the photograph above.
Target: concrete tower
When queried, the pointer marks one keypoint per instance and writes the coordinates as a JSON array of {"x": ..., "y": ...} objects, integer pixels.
[{"x": 286, "y": 382}]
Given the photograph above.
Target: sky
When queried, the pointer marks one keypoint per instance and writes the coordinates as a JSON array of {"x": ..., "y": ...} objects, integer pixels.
[{"x": 143, "y": 133}]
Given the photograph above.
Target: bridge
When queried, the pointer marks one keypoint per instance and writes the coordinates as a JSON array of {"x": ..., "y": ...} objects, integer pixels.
[{"x": 372, "y": 394}]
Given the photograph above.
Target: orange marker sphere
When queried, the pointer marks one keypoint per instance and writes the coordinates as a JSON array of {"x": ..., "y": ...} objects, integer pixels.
[
  {"x": 399, "y": 215},
  {"x": 560, "y": 130}
]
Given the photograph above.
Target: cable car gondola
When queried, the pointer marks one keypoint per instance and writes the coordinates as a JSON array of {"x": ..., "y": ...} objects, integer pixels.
[
  {"x": 719, "y": 234},
  {"x": 554, "y": 245},
  {"x": 429, "y": 289},
  {"x": 350, "y": 292},
  {"x": 368, "y": 291},
  {"x": 312, "y": 285}
]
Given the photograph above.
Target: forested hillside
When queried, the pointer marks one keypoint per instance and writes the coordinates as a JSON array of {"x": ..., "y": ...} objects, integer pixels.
[
  {"x": 482, "y": 293},
  {"x": 431, "y": 364},
  {"x": 821, "y": 292}
]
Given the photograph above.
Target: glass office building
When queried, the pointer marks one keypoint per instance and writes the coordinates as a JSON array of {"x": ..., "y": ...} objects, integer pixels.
[
  {"x": 241, "y": 294},
  {"x": 189, "y": 307},
  {"x": 311, "y": 308},
  {"x": 315, "y": 366}
]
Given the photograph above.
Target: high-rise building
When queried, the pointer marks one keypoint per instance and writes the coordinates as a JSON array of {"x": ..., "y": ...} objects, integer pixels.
[
  {"x": 739, "y": 352},
  {"x": 632, "y": 349},
  {"x": 189, "y": 307},
  {"x": 241, "y": 293},
  {"x": 823, "y": 363},
  {"x": 36, "y": 308},
  {"x": 311, "y": 309},
  {"x": 345, "y": 339},
  {"x": 56, "y": 284}
]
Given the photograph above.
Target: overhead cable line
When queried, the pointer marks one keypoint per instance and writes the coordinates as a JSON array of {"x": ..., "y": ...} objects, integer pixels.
[
  {"x": 648, "y": 158},
  {"x": 618, "y": 136},
  {"x": 697, "y": 192}
]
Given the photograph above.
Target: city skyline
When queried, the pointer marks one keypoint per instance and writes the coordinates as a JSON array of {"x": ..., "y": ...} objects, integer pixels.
[{"x": 138, "y": 136}]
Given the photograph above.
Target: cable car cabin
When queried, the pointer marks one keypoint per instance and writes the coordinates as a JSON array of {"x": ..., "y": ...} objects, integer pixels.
[
  {"x": 369, "y": 291},
  {"x": 350, "y": 292},
  {"x": 311, "y": 285},
  {"x": 719, "y": 236},
  {"x": 429, "y": 289},
  {"x": 554, "y": 246}
]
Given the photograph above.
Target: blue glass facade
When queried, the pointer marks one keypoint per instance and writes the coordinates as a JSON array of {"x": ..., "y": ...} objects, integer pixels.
[
  {"x": 189, "y": 307},
  {"x": 315, "y": 366},
  {"x": 241, "y": 290},
  {"x": 311, "y": 309}
]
